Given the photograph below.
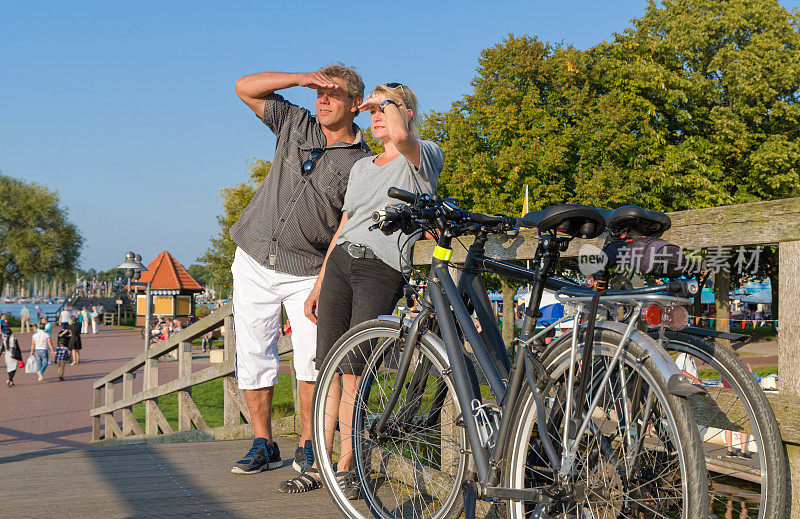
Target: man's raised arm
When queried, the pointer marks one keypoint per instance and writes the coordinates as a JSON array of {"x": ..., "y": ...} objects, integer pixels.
[{"x": 255, "y": 88}]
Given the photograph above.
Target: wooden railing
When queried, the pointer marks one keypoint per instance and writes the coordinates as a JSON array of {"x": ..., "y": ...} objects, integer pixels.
[{"x": 192, "y": 426}]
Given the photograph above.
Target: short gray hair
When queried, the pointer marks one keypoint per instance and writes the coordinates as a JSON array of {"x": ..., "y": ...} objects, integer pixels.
[{"x": 351, "y": 78}]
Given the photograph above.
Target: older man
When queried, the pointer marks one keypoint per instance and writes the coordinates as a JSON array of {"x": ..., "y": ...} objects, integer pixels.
[{"x": 282, "y": 237}]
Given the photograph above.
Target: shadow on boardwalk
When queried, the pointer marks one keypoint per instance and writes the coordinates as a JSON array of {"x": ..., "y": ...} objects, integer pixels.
[{"x": 165, "y": 480}]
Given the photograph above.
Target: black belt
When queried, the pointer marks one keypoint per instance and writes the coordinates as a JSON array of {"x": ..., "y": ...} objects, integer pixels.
[{"x": 358, "y": 251}]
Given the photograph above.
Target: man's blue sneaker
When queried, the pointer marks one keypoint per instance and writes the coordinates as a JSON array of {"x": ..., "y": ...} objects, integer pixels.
[
  {"x": 261, "y": 456},
  {"x": 303, "y": 457}
]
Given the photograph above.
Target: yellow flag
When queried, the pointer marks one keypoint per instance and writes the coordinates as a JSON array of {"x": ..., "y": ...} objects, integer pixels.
[{"x": 525, "y": 203}]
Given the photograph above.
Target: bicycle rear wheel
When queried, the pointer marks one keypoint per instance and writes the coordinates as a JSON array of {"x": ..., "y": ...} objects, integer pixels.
[
  {"x": 416, "y": 467},
  {"x": 640, "y": 456},
  {"x": 753, "y": 488}
]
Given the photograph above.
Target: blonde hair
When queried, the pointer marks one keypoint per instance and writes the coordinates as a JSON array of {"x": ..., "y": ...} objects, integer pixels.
[
  {"x": 403, "y": 96},
  {"x": 351, "y": 78}
]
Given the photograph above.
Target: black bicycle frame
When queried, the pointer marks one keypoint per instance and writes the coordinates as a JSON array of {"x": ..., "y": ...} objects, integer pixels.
[{"x": 449, "y": 304}]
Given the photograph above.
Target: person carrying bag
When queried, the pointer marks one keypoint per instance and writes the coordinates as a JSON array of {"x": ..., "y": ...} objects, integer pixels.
[{"x": 12, "y": 355}]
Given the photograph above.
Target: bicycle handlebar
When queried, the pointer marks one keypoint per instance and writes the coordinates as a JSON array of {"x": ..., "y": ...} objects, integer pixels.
[
  {"x": 429, "y": 208},
  {"x": 402, "y": 194}
]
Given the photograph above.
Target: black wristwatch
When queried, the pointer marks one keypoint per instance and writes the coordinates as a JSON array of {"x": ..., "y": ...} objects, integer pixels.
[{"x": 386, "y": 103}]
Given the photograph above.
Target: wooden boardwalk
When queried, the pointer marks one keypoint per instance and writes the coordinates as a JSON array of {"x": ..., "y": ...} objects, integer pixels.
[{"x": 167, "y": 480}]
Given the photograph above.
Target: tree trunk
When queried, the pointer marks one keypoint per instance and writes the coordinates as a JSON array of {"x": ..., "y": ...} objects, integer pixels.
[
  {"x": 722, "y": 302},
  {"x": 698, "y": 298}
]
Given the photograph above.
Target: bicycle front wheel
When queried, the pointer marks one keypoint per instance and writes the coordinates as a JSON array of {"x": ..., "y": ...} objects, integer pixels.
[
  {"x": 738, "y": 418},
  {"x": 415, "y": 467},
  {"x": 640, "y": 455}
]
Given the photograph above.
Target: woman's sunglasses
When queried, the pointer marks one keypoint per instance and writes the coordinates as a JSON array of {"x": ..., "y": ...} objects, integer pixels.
[
  {"x": 395, "y": 85},
  {"x": 309, "y": 164}
]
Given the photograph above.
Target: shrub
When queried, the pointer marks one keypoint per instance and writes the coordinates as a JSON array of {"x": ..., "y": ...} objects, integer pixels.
[{"x": 201, "y": 311}]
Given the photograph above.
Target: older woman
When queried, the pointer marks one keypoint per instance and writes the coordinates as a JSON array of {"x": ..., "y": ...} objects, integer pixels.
[{"x": 362, "y": 276}]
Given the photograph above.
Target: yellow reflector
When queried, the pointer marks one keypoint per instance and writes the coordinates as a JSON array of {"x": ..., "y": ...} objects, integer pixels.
[{"x": 441, "y": 253}]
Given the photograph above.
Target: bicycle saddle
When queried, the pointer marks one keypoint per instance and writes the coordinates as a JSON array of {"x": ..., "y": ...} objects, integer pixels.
[
  {"x": 632, "y": 218},
  {"x": 579, "y": 221}
]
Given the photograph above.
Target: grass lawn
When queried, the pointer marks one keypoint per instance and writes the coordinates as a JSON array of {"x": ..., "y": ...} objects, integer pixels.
[
  {"x": 761, "y": 371},
  {"x": 760, "y": 332},
  {"x": 209, "y": 400}
]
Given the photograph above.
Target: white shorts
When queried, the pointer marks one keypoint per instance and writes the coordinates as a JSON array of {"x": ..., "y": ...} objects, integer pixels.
[{"x": 258, "y": 293}]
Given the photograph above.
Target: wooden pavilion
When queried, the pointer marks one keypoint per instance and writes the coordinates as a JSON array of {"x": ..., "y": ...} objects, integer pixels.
[{"x": 172, "y": 288}]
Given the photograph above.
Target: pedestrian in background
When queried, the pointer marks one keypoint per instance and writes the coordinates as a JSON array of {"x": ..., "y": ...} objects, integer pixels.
[
  {"x": 25, "y": 319},
  {"x": 5, "y": 329},
  {"x": 93, "y": 318},
  {"x": 61, "y": 356},
  {"x": 100, "y": 311},
  {"x": 12, "y": 354},
  {"x": 48, "y": 326},
  {"x": 39, "y": 316},
  {"x": 41, "y": 347},
  {"x": 84, "y": 320},
  {"x": 75, "y": 345},
  {"x": 64, "y": 318}
]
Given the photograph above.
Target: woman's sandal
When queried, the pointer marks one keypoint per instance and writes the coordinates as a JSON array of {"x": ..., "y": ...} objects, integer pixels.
[
  {"x": 348, "y": 484},
  {"x": 306, "y": 481}
]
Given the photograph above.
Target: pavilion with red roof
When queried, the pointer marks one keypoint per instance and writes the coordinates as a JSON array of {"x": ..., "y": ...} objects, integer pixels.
[{"x": 172, "y": 288}]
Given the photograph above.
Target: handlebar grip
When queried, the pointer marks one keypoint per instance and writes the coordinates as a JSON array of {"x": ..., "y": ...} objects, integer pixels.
[
  {"x": 402, "y": 194},
  {"x": 385, "y": 215}
]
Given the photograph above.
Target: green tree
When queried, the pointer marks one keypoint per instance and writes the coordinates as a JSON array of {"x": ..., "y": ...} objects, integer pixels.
[
  {"x": 200, "y": 273},
  {"x": 36, "y": 237},
  {"x": 374, "y": 144},
  {"x": 697, "y": 106},
  {"x": 516, "y": 128},
  {"x": 219, "y": 257}
]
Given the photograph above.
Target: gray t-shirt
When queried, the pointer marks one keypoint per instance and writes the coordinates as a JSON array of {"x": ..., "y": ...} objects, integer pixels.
[{"x": 366, "y": 193}]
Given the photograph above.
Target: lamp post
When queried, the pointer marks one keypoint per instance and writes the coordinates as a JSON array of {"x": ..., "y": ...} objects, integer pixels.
[{"x": 133, "y": 271}]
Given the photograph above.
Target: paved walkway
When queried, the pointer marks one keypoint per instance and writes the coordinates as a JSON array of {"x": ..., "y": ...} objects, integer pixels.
[
  {"x": 172, "y": 480},
  {"x": 53, "y": 414}
]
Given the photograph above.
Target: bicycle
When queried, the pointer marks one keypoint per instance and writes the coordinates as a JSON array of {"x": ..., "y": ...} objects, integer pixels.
[
  {"x": 767, "y": 476},
  {"x": 412, "y": 437}
]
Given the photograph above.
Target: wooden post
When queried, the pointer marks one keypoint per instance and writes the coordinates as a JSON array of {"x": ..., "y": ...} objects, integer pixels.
[
  {"x": 96, "y": 402},
  {"x": 508, "y": 313},
  {"x": 722, "y": 302},
  {"x": 110, "y": 424},
  {"x": 234, "y": 402},
  {"x": 295, "y": 394},
  {"x": 230, "y": 339},
  {"x": 185, "y": 403},
  {"x": 151, "y": 405},
  {"x": 129, "y": 423},
  {"x": 789, "y": 348}
]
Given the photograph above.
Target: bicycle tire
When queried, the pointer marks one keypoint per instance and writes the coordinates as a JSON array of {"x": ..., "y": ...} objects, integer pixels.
[
  {"x": 400, "y": 476},
  {"x": 669, "y": 476},
  {"x": 770, "y": 457}
]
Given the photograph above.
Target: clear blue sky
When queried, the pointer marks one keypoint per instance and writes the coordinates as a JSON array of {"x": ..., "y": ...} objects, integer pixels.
[{"x": 127, "y": 109}]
